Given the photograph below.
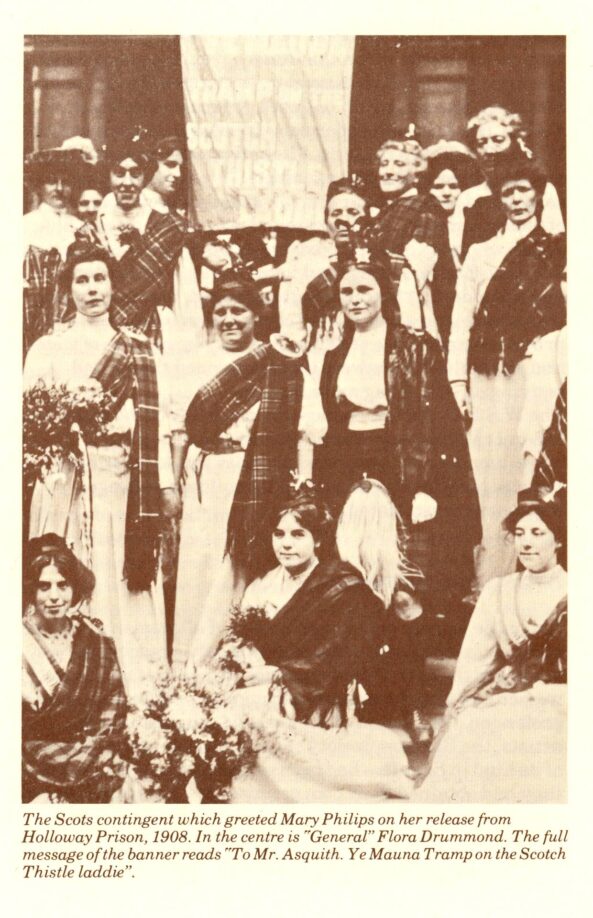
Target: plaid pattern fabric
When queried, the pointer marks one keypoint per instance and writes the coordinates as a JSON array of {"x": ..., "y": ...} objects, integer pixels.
[
  {"x": 69, "y": 744},
  {"x": 522, "y": 301},
  {"x": 416, "y": 217},
  {"x": 128, "y": 369},
  {"x": 143, "y": 278},
  {"x": 551, "y": 465},
  {"x": 40, "y": 272},
  {"x": 276, "y": 381}
]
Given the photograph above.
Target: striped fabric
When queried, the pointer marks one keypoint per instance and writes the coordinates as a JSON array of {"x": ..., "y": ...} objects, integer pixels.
[
  {"x": 127, "y": 369},
  {"x": 40, "y": 272},
  {"x": 70, "y": 744},
  {"x": 551, "y": 465},
  {"x": 276, "y": 381},
  {"x": 143, "y": 278}
]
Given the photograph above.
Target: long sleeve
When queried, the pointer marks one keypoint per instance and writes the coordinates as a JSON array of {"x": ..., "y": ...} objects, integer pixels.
[
  {"x": 546, "y": 371},
  {"x": 38, "y": 363},
  {"x": 480, "y": 648},
  {"x": 187, "y": 301}
]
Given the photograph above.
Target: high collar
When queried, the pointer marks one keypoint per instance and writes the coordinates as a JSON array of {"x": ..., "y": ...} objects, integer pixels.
[
  {"x": 554, "y": 575},
  {"x": 512, "y": 231}
]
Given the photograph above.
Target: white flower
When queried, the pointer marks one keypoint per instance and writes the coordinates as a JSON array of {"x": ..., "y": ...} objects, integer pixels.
[
  {"x": 150, "y": 735},
  {"x": 187, "y": 765},
  {"x": 188, "y": 714}
]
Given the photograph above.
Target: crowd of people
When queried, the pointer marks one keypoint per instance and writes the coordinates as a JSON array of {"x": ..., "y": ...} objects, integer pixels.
[{"x": 361, "y": 433}]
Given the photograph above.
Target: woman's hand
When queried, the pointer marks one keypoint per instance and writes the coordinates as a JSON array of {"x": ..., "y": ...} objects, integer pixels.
[
  {"x": 259, "y": 675},
  {"x": 424, "y": 508},
  {"x": 463, "y": 398},
  {"x": 170, "y": 503}
]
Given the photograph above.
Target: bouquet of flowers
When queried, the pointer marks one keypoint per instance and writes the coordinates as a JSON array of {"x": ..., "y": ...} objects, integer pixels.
[
  {"x": 53, "y": 419},
  {"x": 242, "y": 636},
  {"x": 184, "y": 728}
]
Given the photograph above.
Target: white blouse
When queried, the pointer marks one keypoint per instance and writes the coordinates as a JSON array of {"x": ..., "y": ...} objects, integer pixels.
[{"x": 362, "y": 379}]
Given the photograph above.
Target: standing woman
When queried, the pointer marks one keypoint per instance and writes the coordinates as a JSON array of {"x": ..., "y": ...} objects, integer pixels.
[
  {"x": 130, "y": 475},
  {"x": 249, "y": 423},
  {"x": 212, "y": 470},
  {"x": 391, "y": 416},
  {"x": 508, "y": 296},
  {"x": 451, "y": 168}
]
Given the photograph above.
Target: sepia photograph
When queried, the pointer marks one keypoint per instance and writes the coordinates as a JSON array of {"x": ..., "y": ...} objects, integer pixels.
[{"x": 294, "y": 411}]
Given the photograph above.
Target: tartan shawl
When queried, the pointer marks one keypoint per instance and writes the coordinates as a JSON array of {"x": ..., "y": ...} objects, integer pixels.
[
  {"x": 417, "y": 217},
  {"x": 522, "y": 302},
  {"x": 127, "y": 369},
  {"x": 66, "y": 744},
  {"x": 324, "y": 637},
  {"x": 40, "y": 272},
  {"x": 142, "y": 279},
  {"x": 426, "y": 441},
  {"x": 551, "y": 465},
  {"x": 276, "y": 382}
]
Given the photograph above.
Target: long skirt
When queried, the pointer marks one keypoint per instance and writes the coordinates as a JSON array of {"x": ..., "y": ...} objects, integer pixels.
[
  {"x": 56, "y": 507},
  {"x": 207, "y": 582},
  {"x": 509, "y": 749},
  {"x": 360, "y": 763},
  {"x": 497, "y": 460},
  {"x": 136, "y": 621}
]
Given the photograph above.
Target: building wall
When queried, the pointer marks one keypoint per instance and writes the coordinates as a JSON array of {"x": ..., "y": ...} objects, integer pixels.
[{"x": 98, "y": 85}]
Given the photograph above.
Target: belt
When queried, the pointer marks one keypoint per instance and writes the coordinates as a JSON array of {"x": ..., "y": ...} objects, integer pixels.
[
  {"x": 114, "y": 439},
  {"x": 224, "y": 445}
]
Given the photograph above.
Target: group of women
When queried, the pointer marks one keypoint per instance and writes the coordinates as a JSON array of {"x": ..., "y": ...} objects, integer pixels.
[{"x": 399, "y": 383}]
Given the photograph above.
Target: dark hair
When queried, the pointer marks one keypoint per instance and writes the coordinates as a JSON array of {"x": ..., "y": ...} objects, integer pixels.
[
  {"x": 514, "y": 167},
  {"x": 380, "y": 272},
  {"x": 347, "y": 185},
  {"x": 314, "y": 516},
  {"x": 241, "y": 287},
  {"x": 130, "y": 145},
  {"x": 159, "y": 151},
  {"x": 551, "y": 509},
  {"x": 79, "y": 253},
  {"x": 52, "y": 549},
  {"x": 464, "y": 168}
]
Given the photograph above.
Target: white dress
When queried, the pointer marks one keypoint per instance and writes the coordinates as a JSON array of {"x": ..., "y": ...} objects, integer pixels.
[
  {"x": 206, "y": 583},
  {"x": 304, "y": 763},
  {"x": 46, "y": 229},
  {"x": 509, "y": 747},
  {"x": 136, "y": 621},
  {"x": 494, "y": 438}
]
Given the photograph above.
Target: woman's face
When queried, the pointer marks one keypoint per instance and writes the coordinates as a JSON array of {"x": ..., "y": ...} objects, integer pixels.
[
  {"x": 234, "y": 324},
  {"x": 53, "y": 596},
  {"x": 492, "y": 138},
  {"x": 446, "y": 190},
  {"x": 167, "y": 176},
  {"x": 127, "y": 180},
  {"x": 344, "y": 213},
  {"x": 56, "y": 191},
  {"x": 519, "y": 200},
  {"x": 397, "y": 171},
  {"x": 91, "y": 288},
  {"x": 535, "y": 544},
  {"x": 89, "y": 202},
  {"x": 360, "y": 297},
  {"x": 294, "y": 546}
]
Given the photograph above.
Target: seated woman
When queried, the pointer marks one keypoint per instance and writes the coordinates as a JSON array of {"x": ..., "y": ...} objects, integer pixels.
[
  {"x": 322, "y": 624},
  {"x": 74, "y": 706},
  {"x": 504, "y": 736}
]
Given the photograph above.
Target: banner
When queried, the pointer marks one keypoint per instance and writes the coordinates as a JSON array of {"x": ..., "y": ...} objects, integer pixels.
[{"x": 267, "y": 126}]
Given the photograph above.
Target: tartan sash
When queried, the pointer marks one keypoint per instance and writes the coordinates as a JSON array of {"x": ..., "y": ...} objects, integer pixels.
[
  {"x": 40, "y": 272},
  {"x": 261, "y": 375},
  {"x": 127, "y": 369},
  {"x": 143, "y": 277},
  {"x": 522, "y": 302}
]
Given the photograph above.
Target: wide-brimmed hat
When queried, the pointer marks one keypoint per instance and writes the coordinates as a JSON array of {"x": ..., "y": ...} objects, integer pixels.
[{"x": 43, "y": 163}]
